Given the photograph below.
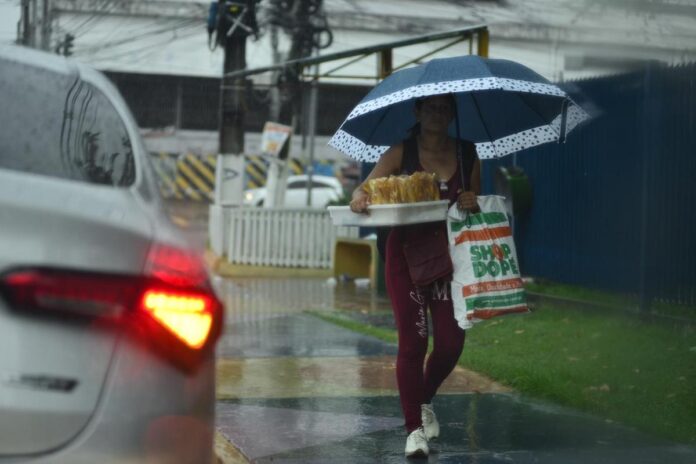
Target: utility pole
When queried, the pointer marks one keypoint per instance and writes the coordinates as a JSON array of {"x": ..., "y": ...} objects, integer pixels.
[
  {"x": 46, "y": 25},
  {"x": 276, "y": 176},
  {"x": 304, "y": 21},
  {"x": 295, "y": 16},
  {"x": 27, "y": 35},
  {"x": 236, "y": 20},
  {"x": 35, "y": 25},
  {"x": 232, "y": 98},
  {"x": 24, "y": 26}
]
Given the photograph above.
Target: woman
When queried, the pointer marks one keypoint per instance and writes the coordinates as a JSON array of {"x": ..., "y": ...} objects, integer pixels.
[{"x": 429, "y": 149}]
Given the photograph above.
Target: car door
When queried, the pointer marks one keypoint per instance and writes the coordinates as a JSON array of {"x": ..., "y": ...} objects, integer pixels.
[
  {"x": 323, "y": 192},
  {"x": 296, "y": 193}
]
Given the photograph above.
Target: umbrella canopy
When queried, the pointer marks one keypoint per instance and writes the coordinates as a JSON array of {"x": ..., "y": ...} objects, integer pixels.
[{"x": 502, "y": 106}]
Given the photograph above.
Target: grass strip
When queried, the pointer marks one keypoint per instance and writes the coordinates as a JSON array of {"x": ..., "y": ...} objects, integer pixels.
[
  {"x": 341, "y": 320},
  {"x": 609, "y": 365}
]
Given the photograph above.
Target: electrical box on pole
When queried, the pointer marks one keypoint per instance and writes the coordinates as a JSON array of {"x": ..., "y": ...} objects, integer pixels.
[{"x": 68, "y": 44}]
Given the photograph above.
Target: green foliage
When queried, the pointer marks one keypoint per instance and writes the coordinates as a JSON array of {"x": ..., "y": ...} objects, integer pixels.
[{"x": 342, "y": 201}]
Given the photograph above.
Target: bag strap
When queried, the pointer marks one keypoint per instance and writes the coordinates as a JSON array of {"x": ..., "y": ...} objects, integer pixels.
[{"x": 467, "y": 154}]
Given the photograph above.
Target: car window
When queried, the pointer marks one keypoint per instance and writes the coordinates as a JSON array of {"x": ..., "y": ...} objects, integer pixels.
[
  {"x": 319, "y": 184},
  {"x": 62, "y": 127},
  {"x": 297, "y": 184}
]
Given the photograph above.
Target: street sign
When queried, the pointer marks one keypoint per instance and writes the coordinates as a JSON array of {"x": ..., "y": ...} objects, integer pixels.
[{"x": 273, "y": 138}]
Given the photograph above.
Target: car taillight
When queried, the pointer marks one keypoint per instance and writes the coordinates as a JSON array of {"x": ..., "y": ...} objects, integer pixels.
[
  {"x": 189, "y": 316},
  {"x": 179, "y": 296},
  {"x": 172, "y": 304},
  {"x": 175, "y": 266},
  {"x": 99, "y": 295}
]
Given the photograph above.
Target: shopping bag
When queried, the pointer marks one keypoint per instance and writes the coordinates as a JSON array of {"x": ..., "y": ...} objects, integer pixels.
[{"x": 486, "y": 281}]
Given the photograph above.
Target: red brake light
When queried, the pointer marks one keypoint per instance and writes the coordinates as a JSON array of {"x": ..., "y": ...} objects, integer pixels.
[
  {"x": 179, "y": 296},
  {"x": 188, "y": 316}
]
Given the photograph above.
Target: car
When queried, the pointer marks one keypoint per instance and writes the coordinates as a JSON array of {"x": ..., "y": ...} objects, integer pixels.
[
  {"x": 325, "y": 189},
  {"x": 108, "y": 319}
]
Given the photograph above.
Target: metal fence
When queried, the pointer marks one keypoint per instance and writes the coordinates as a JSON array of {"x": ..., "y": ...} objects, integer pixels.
[
  {"x": 302, "y": 238},
  {"x": 614, "y": 208}
]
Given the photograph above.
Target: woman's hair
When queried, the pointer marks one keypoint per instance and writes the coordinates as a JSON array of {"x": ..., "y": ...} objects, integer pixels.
[{"x": 449, "y": 96}]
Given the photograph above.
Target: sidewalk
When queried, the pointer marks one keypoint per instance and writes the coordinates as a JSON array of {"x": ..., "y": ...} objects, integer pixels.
[{"x": 293, "y": 388}]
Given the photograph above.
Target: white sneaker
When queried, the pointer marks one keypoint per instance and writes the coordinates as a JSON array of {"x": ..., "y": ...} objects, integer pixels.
[
  {"x": 417, "y": 444},
  {"x": 430, "y": 423}
]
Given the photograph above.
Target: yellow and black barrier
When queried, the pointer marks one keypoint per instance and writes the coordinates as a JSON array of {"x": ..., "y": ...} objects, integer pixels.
[{"x": 192, "y": 177}]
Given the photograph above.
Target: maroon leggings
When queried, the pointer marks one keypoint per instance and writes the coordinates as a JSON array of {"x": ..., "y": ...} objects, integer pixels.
[{"x": 410, "y": 304}]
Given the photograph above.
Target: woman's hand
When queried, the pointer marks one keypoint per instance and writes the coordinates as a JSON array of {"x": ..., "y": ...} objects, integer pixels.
[
  {"x": 360, "y": 201},
  {"x": 467, "y": 202}
]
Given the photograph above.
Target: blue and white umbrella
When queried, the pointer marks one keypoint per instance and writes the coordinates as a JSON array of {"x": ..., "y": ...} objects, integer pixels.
[{"x": 502, "y": 106}]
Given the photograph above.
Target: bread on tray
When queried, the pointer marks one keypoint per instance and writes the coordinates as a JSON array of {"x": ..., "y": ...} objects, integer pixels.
[{"x": 419, "y": 186}]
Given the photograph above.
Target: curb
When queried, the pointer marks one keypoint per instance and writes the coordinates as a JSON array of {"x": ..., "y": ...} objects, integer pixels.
[
  {"x": 226, "y": 452},
  {"x": 220, "y": 266}
]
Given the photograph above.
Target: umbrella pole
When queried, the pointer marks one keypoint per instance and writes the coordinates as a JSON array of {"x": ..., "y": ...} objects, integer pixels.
[
  {"x": 564, "y": 121},
  {"x": 460, "y": 155}
]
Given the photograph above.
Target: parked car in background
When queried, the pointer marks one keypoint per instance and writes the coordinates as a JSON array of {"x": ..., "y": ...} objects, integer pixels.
[
  {"x": 325, "y": 189},
  {"x": 108, "y": 321}
]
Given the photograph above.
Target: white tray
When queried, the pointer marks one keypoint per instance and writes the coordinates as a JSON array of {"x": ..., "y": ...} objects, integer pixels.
[{"x": 391, "y": 215}]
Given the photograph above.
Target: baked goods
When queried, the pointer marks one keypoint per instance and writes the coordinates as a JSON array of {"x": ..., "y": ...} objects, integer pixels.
[{"x": 419, "y": 186}]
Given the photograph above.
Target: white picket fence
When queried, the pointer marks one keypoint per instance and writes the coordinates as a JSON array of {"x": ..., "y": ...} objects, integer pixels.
[{"x": 282, "y": 237}]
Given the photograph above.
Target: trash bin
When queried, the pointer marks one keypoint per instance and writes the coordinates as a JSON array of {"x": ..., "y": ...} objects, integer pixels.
[
  {"x": 356, "y": 258},
  {"x": 512, "y": 183}
]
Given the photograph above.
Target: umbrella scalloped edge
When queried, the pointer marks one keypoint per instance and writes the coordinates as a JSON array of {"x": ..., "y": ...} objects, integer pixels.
[
  {"x": 531, "y": 137},
  {"x": 360, "y": 151},
  {"x": 454, "y": 86},
  {"x": 356, "y": 148}
]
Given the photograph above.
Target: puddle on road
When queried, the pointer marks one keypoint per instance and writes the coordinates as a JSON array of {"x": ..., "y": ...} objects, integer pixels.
[{"x": 259, "y": 298}]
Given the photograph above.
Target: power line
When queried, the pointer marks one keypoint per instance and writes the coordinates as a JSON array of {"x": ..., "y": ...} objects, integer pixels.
[
  {"x": 71, "y": 22},
  {"x": 103, "y": 9},
  {"x": 181, "y": 25},
  {"x": 153, "y": 50},
  {"x": 130, "y": 51},
  {"x": 132, "y": 31},
  {"x": 136, "y": 51}
]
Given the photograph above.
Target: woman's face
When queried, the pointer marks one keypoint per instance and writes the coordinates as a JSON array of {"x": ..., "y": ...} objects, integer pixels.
[{"x": 435, "y": 113}]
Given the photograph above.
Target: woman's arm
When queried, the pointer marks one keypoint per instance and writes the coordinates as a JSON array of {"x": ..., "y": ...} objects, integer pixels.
[{"x": 389, "y": 163}]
